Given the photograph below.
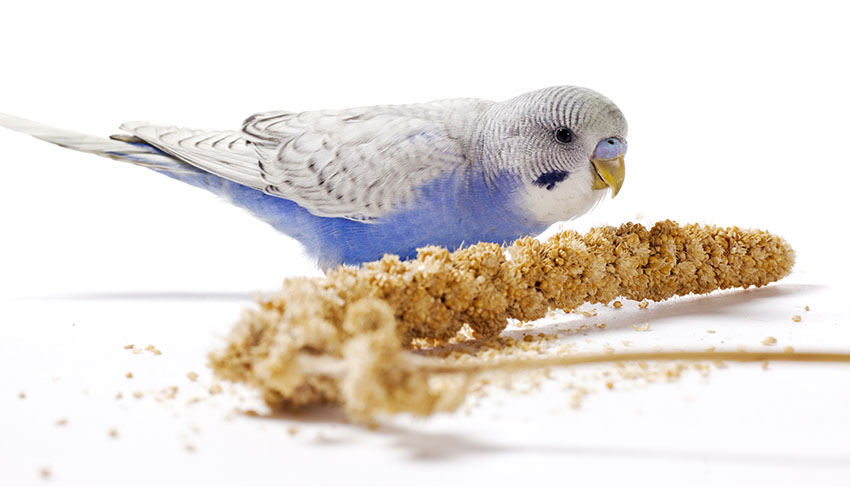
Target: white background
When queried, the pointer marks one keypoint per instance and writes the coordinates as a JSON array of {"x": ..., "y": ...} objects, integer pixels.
[{"x": 738, "y": 115}]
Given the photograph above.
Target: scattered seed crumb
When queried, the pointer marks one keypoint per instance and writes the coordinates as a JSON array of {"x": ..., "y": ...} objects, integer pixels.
[
  {"x": 643, "y": 327},
  {"x": 601, "y": 326},
  {"x": 788, "y": 349},
  {"x": 215, "y": 389},
  {"x": 710, "y": 331},
  {"x": 643, "y": 304},
  {"x": 768, "y": 341},
  {"x": 608, "y": 349},
  {"x": 578, "y": 397},
  {"x": 128, "y": 375},
  {"x": 251, "y": 413},
  {"x": 190, "y": 448},
  {"x": 192, "y": 376},
  {"x": 764, "y": 365},
  {"x": 62, "y": 422},
  {"x": 589, "y": 314},
  {"x": 710, "y": 349},
  {"x": 119, "y": 396},
  {"x": 796, "y": 318},
  {"x": 626, "y": 343},
  {"x": 22, "y": 395},
  {"x": 292, "y": 431},
  {"x": 138, "y": 394},
  {"x": 137, "y": 351},
  {"x": 806, "y": 308},
  {"x": 170, "y": 392},
  {"x": 113, "y": 432},
  {"x": 618, "y": 304},
  {"x": 129, "y": 346},
  {"x": 45, "y": 472}
]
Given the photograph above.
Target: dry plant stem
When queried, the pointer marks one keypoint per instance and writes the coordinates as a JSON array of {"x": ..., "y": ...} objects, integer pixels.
[
  {"x": 368, "y": 315},
  {"x": 339, "y": 368},
  {"x": 574, "y": 360}
]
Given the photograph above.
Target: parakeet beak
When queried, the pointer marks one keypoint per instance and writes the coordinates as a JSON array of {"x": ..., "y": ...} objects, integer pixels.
[
  {"x": 611, "y": 174},
  {"x": 608, "y": 161}
]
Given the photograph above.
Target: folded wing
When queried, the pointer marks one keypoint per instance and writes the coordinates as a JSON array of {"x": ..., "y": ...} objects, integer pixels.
[{"x": 359, "y": 163}]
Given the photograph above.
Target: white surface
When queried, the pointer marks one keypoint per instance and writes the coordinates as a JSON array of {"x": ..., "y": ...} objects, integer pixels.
[{"x": 738, "y": 116}]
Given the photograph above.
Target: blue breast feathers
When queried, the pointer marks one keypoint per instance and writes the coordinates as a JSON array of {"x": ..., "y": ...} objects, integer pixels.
[{"x": 457, "y": 209}]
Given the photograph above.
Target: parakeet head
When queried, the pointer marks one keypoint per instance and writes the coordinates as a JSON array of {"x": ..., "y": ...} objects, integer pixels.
[{"x": 564, "y": 144}]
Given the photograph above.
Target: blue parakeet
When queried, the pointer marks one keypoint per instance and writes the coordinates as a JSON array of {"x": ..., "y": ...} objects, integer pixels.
[{"x": 354, "y": 184}]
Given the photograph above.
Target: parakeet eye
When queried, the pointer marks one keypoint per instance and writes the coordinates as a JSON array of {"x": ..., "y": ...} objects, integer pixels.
[{"x": 563, "y": 135}]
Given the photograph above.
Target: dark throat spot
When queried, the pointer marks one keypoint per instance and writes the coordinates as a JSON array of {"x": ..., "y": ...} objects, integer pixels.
[{"x": 548, "y": 180}]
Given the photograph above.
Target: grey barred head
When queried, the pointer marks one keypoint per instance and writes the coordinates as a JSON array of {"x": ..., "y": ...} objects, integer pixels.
[{"x": 565, "y": 144}]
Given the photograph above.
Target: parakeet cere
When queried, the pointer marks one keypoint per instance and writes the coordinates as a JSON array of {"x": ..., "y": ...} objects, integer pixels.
[{"x": 354, "y": 184}]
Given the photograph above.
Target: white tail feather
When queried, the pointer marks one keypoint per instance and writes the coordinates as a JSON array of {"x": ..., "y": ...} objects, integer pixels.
[{"x": 139, "y": 154}]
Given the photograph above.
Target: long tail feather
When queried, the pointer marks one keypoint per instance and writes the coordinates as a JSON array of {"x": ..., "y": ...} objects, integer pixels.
[{"x": 122, "y": 148}]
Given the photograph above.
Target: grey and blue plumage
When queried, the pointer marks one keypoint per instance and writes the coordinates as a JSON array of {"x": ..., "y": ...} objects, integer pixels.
[{"x": 354, "y": 184}]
